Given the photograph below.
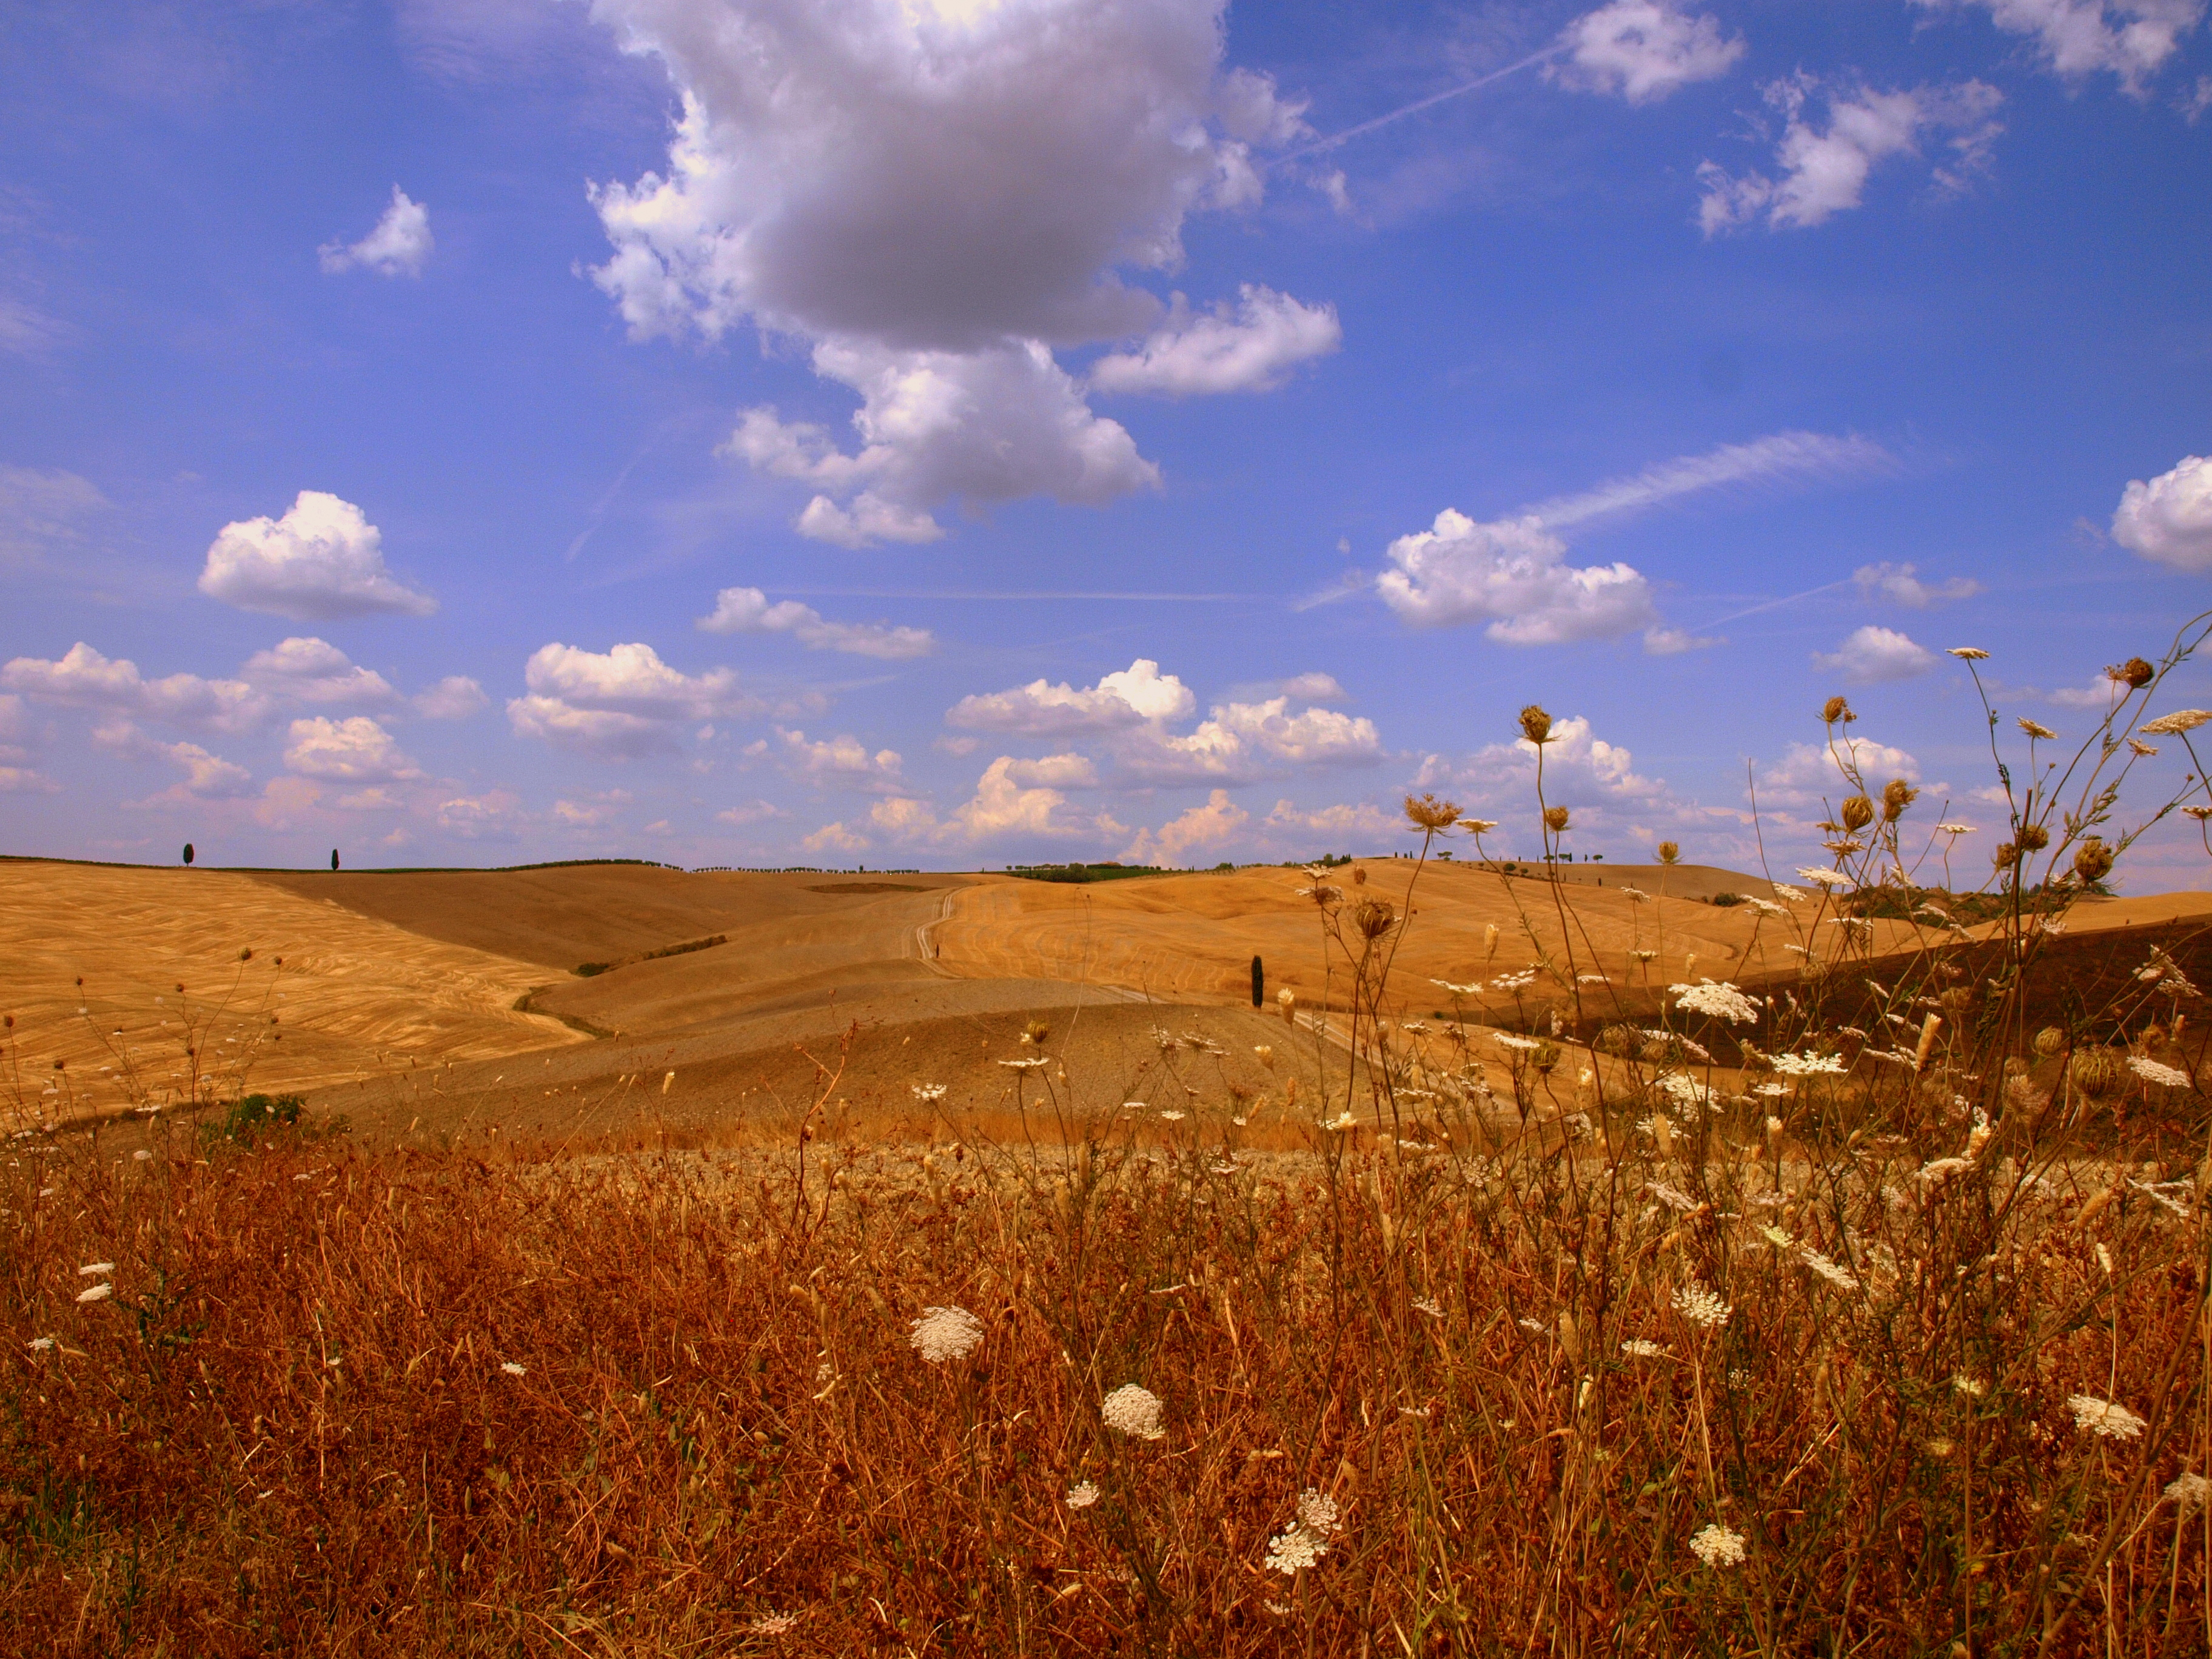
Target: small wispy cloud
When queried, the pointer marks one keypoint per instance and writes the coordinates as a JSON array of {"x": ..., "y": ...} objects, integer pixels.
[{"x": 1778, "y": 455}]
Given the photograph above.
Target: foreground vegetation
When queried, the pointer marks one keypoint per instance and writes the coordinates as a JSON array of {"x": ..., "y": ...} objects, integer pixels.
[{"x": 1748, "y": 1331}]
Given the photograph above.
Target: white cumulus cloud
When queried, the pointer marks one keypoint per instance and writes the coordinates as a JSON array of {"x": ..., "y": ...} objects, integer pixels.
[
  {"x": 842, "y": 762},
  {"x": 1134, "y": 695},
  {"x": 1872, "y": 654},
  {"x": 1212, "y": 825},
  {"x": 353, "y": 751},
  {"x": 2169, "y": 518},
  {"x": 310, "y": 670},
  {"x": 1807, "y": 776},
  {"x": 618, "y": 704},
  {"x": 323, "y": 559},
  {"x": 1251, "y": 348},
  {"x": 746, "y": 611},
  {"x": 936, "y": 196},
  {"x": 84, "y": 678},
  {"x": 1824, "y": 169},
  {"x": 398, "y": 247},
  {"x": 1644, "y": 49},
  {"x": 2131, "y": 39},
  {"x": 1513, "y": 575},
  {"x": 207, "y": 776}
]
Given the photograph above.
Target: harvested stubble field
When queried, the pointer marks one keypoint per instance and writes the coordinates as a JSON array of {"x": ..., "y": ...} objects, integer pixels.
[{"x": 843, "y": 1298}]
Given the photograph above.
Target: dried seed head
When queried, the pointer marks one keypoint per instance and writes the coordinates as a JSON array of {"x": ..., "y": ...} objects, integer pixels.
[
  {"x": 2031, "y": 837},
  {"x": 1669, "y": 852},
  {"x": 1555, "y": 819},
  {"x": 2173, "y": 724},
  {"x": 1036, "y": 1032},
  {"x": 1896, "y": 795},
  {"x": 1536, "y": 725},
  {"x": 2004, "y": 856},
  {"x": 2092, "y": 860},
  {"x": 1373, "y": 917},
  {"x": 1427, "y": 812},
  {"x": 1858, "y": 813},
  {"x": 1359, "y": 877},
  {"x": 2035, "y": 728},
  {"x": 2048, "y": 1040},
  {"x": 1836, "y": 711},
  {"x": 2135, "y": 673}
]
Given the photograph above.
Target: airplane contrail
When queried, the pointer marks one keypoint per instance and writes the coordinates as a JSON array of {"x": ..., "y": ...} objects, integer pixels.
[{"x": 1319, "y": 145}]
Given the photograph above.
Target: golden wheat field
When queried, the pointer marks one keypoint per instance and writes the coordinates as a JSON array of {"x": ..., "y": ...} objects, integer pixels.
[{"x": 609, "y": 1259}]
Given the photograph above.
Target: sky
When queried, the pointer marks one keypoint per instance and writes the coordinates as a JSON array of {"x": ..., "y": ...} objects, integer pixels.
[{"x": 950, "y": 433}]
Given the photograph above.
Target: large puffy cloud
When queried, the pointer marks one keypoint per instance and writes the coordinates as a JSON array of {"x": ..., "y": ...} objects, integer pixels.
[
  {"x": 1040, "y": 709},
  {"x": 1580, "y": 769},
  {"x": 937, "y": 196},
  {"x": 309, "y": 670},
  {"x": 1512, "y": 573},
  {"x": 2169, "y": 519},
  {"x": 1643, "y": 49},
  {"x": 1253, "y": 348},
  {"x": 84, "y": 678},
  {"x": 455, "y": 697},
  {"x": 981, "y": 426},
  {"x": 399, "y": 246},
  {"x": 1824, "y": 170},
  {"x": 2131, "y": 38},
  {"x": 354, "y": 750},
  {"x": 746, "y": 611},
  {"x": 1133, "y": 711},
  {"x": 618, "y": 704},
  {"x": 323, "y": 559},
  {"x": 1214, "y": 824},
  {"x": 1872, "y": 655}
]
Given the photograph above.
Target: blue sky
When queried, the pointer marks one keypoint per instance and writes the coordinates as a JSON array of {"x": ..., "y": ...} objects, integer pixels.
[{"x": 950, "y": 433}]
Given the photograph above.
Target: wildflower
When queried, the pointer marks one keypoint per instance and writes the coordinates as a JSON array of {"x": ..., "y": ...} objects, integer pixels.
[
  {"x": 1636, "y": 894},
  {"x": 513, "y": 1369},
  {"x": 1520, "y": 981},
  {"x": 2145, "y": 749},
  {"x": 943, "y": 1333},
  {"x": 2188, "y": 1491},
  {"x": 1941, "y": 1170},
  {"x": 1722, "y": 1001},
  {"x": 1766, "y": 906},
  {"x": 1802, "y": 1065},
  {"x": 1716, "y": 1546},
  {"x": 1640, "y": 1348},
  {"x": 1429, "y": 1305},
  {"x": 1827, "y": 1269},
  {"x": 929, "y": 1093},
  {"x": 1172, "y": 1115},
  {"x": 140, "y": 1156},
  {"x": 97, "y": 1294},
  {"x": 773, "y": 1624},
  {"x": 1825, "y": 877},
  {"x": 41, "y": 1344},
  {"x": 1478, "y": 826},
  {"x": 1970, "y": 1385},
  {"x": 1701, "y": 1306},
  {"x": 1938, "y": 1447},
  {"x": 2173, "y": 724},
  {"x": 1317, "y": 1512},
  {"x": 1474, "y": 989},
  {"x": 1295, "y": 1551},
  {"x": 2200, "y": 813},
  {"x": 1956, "y": 829},
  {"x": 2150, "y": 1071},
  {"x": 2035, "y": 728},
  {"x": 92, "y": 1268},
  {"x": 1038, "y": 1064},
  {"x": 1132, "y": 1410},
  {"x": 2104, "y": 1417},
  {"x": 1342, "y": 1124},
  {"x": 1774, "y": 1236},
  {"x": 1082, "y": 1495},
  {"x": 1522, "y": 1043}
]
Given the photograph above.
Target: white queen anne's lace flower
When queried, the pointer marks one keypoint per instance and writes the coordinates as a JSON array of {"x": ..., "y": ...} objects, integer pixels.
[
  {"x": 1135, "y": 1411},
  {"x": 97, "y": 1294},
  {"x": 1722, "y": 1001},
  {"x": 1642, "y": 1347},
  {"x": 2166, "y": 1077},
  {"x": 2105, "y": 1417},
  {"x": 1717, "y": 1547},
  {"x": 1824, "y": 878},
  {"x": 1303, "y": 1543},
  {"x": 1082, "y": 1495},
  {"x": 1701, "y": 1306},
  {"x": 2188, "y": 1491},
  {"x": 1809, "y": 1065},
  {"x": 1828, "y": 1270},
  {"x": 946, "y": 1333}
]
